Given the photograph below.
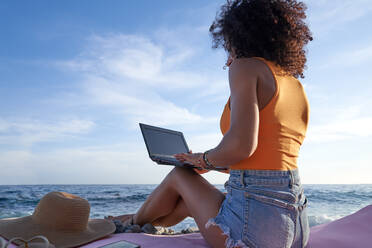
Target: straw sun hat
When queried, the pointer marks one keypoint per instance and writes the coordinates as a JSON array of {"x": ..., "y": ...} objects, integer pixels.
[{"x": 61, "y": 217}]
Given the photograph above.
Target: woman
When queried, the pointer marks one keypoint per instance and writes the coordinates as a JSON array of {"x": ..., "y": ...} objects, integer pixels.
[{"x": 264, "y": 124}]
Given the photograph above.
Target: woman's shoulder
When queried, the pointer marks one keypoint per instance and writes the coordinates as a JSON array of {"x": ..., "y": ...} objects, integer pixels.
[
  {"x": 246, "y": 63},
  {"x": 253, "y": 67},
  {"x": 249, "y": 66}
]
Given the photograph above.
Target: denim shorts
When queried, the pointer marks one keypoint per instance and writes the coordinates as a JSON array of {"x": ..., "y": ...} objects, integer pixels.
[{"x": 263, "y": 208}]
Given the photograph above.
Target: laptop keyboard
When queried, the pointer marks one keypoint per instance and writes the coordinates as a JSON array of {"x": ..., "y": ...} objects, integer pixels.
[
  {"x": 169, "y": 159},
  {"x": 163, "y": 156}
]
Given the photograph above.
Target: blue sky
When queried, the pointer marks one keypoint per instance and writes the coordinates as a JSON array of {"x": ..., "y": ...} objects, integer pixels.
[{"x": 77, "y": 77}]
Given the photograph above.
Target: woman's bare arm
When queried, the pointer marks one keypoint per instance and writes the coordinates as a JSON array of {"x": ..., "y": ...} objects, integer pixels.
[{"x": 240, "y": 141}]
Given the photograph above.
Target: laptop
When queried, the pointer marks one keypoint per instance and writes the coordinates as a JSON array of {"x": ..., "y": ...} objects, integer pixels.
[{"x": 163, "y": 143}]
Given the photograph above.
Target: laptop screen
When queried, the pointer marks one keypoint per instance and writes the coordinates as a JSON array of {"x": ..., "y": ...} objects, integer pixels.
[{"x": 163, "y": 141}]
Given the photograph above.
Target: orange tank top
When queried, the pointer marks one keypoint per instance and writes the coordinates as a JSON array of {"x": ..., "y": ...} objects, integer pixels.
[{"x": 282, "y": 125}]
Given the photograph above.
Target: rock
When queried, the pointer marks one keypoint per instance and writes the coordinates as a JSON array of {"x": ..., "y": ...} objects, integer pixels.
[
  {"x": 134, "y": 228},
  {"x": 160, "y": 230},
  {"x": 149, "y": 228},
  {"x": 119, "y": 226},
  {"x": 164, "y": 231},
  {"x": 170, "y": 231},
  {"x": 190, "y": 230}
]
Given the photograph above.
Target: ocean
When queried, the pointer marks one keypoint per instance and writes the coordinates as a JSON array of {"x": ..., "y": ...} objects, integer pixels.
[{"x": 326, "y": 202}]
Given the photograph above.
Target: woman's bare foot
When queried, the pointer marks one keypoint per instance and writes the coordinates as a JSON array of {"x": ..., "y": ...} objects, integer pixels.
[{"x": 123, "y": 218}]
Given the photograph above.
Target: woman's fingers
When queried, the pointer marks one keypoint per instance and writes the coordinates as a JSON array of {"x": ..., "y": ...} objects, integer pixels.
[
  {"x": 193, "y": 158},
  {"x": 181, "y": 156},
  {"x": 178, "y": 156}
]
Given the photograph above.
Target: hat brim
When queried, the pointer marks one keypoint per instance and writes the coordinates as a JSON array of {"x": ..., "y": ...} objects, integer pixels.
[{"x": 26, "y": 228}]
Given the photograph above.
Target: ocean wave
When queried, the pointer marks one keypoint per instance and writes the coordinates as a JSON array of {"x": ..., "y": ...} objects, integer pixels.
[
  {"x": 321, "y": 219},
  {"x": 115, "y": 198},
  {"x": 326, "y": 202},
  {"x": 11, "y": 203},
  {"x": 11, "y": 191},
  {"x": 111, "y": 192}
]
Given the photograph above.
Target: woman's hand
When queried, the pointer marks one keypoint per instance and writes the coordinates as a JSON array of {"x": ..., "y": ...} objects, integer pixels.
[{"x": 194, "y": 158}]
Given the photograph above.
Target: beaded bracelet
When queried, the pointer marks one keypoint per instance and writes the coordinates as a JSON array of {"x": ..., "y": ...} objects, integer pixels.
[{"x": 207, "y": 163}]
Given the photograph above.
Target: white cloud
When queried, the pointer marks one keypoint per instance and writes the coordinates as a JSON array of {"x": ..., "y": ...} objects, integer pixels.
[
  {"x": 136, "y": 58},
  {"x": 349, "y": 120},
  {"x": 340, "y": 130},
  {"x": 202, "y": 142},
  {"x": 114, "y": 164},
  {"x": 339, "y": 172},
  {"x": 351, "y": 58},
  {"x": 135, "y": 75},
  {"x": 28, "y": 132},
  {"x": 131, "y": 77},
  {"x": 327, "y": 15},
  {"x": 138, "y": 104},
  {"x": 72, "y": 166},
  {"x": 343, "y": 11},
  {"x": 4, "y": 125}
]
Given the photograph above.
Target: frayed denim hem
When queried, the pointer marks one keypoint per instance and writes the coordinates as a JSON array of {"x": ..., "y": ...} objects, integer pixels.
[{"x": 229, "y": 243}]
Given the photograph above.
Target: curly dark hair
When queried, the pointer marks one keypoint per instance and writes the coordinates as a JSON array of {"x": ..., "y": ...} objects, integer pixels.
[{"x": 271, "y": 29}]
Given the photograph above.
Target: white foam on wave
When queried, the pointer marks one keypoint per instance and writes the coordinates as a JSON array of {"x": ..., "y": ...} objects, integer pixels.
[{"x": 321, "y": 219}]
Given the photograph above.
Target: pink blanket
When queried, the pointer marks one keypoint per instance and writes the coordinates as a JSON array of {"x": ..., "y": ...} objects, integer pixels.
[
  {"x": 194, "y": 240},
  {"x": 354, "y": 230}
]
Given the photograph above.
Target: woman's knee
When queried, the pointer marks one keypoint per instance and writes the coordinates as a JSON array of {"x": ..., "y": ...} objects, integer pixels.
[{"x": 180, "y": 173}]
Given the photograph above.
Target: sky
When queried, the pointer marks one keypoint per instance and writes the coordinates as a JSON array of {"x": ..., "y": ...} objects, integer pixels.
[{"x": 78, "y": 76}]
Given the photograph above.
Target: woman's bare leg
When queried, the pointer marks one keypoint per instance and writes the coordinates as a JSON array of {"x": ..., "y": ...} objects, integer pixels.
[
  {"x": 202, "y": 201},
  {"x": 179, "y": 213},
  {"x": 176, "y": 216}
]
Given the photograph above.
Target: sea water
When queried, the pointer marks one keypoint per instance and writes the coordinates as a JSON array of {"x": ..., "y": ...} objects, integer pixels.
[{"x": 326, "y": 202}]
